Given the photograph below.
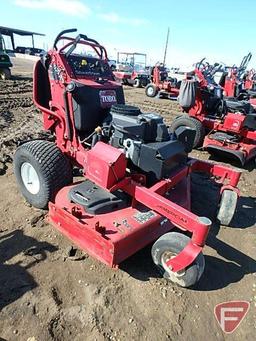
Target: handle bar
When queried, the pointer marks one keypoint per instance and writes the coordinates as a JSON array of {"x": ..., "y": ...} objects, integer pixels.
[
  {"x": 244, "y": 64},
  {"x": 245, "y": 60},
  {"x": 83, "y": 36},
  {"x": 70, "y": 30},
  {"x": 200, "y": 63},
  {"x": 77, "y": 39}
]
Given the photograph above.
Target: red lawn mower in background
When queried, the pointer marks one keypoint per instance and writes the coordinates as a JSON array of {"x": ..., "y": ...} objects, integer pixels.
[
  {"x": 223, "y": 126},
  {"x": 161, "y": 85},
  {"x": 239, "y": 83},
  {"x": 249, "y": 80},
  {"x": 131, "y": 69},
  {"x": 136, "y": 176},
  {"x": 249, "y": 85}
]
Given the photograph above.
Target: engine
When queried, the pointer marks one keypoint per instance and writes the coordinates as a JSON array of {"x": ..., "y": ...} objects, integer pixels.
[{"x": 147, "y": 142}]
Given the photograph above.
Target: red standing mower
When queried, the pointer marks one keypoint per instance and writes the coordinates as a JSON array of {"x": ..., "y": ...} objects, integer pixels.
[
  {"x": 237, "y": 83},
  {"x": 223, "y": 126},
  {"x": 161, "y": 84},
  {"x": 249, "y": 85},
  {"x": 249, "y": 80},
  {"x": 136, "y": 185}
]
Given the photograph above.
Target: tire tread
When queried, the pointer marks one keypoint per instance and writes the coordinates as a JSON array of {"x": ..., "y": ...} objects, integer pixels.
[{"x": 54, "y": 167}]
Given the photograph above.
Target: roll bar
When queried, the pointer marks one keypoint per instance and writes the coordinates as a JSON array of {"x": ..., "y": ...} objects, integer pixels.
[
  {"x": 70, "y": 30},
  {"x": 74, "y": 41}
]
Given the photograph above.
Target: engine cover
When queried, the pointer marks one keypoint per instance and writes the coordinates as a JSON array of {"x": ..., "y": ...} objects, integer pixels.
[
  {"x": 135, "y": 125},
  {"x": 146, "y": 141},
  {"x": 160, "y": 158}
]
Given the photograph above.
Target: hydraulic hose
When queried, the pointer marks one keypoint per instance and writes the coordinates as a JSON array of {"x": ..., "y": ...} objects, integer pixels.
[{"x": 67, "y": 115}]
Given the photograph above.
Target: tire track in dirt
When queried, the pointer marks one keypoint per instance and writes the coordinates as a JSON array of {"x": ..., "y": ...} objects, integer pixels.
[
  {"x": 15, "y": 103},
  {"x": 17, "y": 116},
  {"x": 10, "y": 87},
  {"x": 167, "y": 108}
]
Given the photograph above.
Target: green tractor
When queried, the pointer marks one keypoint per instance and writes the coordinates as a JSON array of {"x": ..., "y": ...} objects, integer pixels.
[{"x": 5, "y": 62}]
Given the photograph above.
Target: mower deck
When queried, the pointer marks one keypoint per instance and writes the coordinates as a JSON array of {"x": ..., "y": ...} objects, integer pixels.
[
  {"x": 172, "y": 94},
  {"x": 115, "y": 236},
  {"x": 243, "y": 152}
]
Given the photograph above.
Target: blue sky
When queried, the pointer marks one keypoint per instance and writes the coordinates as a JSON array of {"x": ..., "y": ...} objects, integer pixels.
[{"x": 221, "y": 30}]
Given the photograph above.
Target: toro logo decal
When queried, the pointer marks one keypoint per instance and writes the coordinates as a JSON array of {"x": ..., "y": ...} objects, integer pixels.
[
  {"x": 107, "y": 98},
  {"x": 230, "y": 314}
]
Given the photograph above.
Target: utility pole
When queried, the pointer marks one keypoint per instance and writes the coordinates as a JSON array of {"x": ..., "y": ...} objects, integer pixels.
[
  {"x": 1, "y": 42},
  {"x": 167, "y": 39}
]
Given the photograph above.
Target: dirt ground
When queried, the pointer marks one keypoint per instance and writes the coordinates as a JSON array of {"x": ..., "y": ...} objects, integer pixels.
[{"x": 49, "y": 291}]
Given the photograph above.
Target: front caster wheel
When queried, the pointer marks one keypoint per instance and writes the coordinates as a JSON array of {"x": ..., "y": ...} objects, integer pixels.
[
  {"x": 227, "y": 207},
  {"x": 167, "y": 247}
]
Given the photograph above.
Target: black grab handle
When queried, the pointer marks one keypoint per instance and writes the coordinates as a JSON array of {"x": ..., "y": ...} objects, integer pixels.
[
  {"x": 83, "y": 36},
  {"x": 70, "y": 30},
  {"x": 76, "y": 41}
]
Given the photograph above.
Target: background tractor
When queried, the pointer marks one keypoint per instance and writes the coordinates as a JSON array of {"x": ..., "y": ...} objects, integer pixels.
[
  {"x": 5, "y": 61},
  {"x": 131, "y": 69}
]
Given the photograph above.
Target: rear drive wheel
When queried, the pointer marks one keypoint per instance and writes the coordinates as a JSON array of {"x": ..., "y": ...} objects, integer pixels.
[
  {"x": 41, "y": 171},
  {"x": 137, "y": 83},
  {"x": 227, "y": 207},
  {"x": 190, "y": 122},
  {"x": 167, "y": 247},
  {"x": 151, "y": 90},
  {"x": 5, "y": 74}
]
